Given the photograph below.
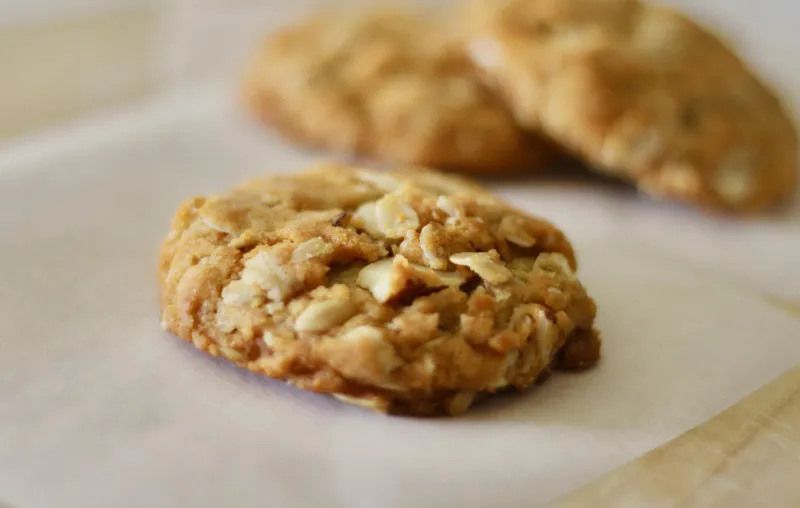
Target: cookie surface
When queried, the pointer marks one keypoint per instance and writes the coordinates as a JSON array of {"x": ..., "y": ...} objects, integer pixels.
[
  {"x": 388, "y": 84},
  {"x": 641, "y": 92},
  {"x": 407, "y": 292}
]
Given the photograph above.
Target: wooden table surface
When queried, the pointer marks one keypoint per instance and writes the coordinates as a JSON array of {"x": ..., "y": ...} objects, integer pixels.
[{"x": 747, "y": 456}]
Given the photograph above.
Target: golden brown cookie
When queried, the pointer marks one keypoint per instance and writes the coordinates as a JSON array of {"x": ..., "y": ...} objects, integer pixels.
[
  {"x": 407, "y": 292},
  {"x": 641, "y": 92},
  {"x": 389, "y": 84}
]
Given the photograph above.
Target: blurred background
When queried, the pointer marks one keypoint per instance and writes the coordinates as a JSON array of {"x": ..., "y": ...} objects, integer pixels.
[
  {"x": 60, "y": 59},
  {"x": 63, "y": 58}
]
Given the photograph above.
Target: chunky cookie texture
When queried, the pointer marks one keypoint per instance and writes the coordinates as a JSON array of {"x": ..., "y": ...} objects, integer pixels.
[
  {"x": 406, "y": 292},
  {"x": 639, "y": 91},
  {"x": 389, "y": 84}
]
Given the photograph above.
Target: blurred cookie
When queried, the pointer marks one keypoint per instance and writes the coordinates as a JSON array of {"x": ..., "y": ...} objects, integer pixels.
[
  {"x": 407, "y": 292},
  {"x": 393, "y": 85},
  {"x": 641, "y": 92}
]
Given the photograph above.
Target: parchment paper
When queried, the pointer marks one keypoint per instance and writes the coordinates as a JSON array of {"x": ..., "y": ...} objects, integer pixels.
[{"x": 100, "y": 408}]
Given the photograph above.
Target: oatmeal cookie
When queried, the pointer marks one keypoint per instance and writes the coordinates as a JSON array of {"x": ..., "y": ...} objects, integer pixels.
[
  {"x": 389, "y": 84},
  {"x": 641, "y": 92},
  {"x": 408, "y": 292}
]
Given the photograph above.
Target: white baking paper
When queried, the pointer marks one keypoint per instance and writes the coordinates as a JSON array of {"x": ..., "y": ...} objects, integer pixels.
[{"x": 100, "y": 408}]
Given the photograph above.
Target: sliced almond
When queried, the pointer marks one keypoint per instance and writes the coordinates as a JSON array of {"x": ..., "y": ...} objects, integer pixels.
[
  {"x": 264, "y": 271},
  {"x": 318, "y": 215},
  {"x": 502, "y": 375},
  {"x": 216, "y": 227},
  {"x": 431, "y": 244},
  {"x": 379, "y": 280},
  {"x": 232, "y": 354},
  {"x": 239, "y": 293},
  {"x": 395, "y": 216},
  {"x": 484, "y": 265},
  {"x": 372, "y": 343},
  {"x": 382, "y": 181},
  {"x": 525, "y": 264},
  {"x": 449, "y": 206},
  {"x": 553, "y": 262},
  {"x": 310, "y": 249},
  {"x": 547, "y": 333},
  {"x": 512, "y": 229},
  {"x": 364, "y": 219},
  {"x": 388, "y": 278},
  {"x": 362, "y": 354},
  {"x": 389, "y": 217},
  {"x": 320, "y": 316},
  {"x": 450, "y": 279},
  {"x": 367, "y": 402}
]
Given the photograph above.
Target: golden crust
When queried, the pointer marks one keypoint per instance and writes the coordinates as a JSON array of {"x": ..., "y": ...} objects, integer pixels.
[
  {"x": 389, "y": 84},
  {"x": 641, "y": 92},
  {"x": 405, "y": 292}
]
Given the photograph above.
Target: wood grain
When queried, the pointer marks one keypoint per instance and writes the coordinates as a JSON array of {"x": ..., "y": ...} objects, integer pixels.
[{"x": 748, "y": 456}]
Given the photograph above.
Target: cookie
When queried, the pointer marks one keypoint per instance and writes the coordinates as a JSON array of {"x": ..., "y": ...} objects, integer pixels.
[
  {"x": 392, "y": 85},
  {"x": 641, "y": 92},
  {"x": 407, "y": 292}
]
